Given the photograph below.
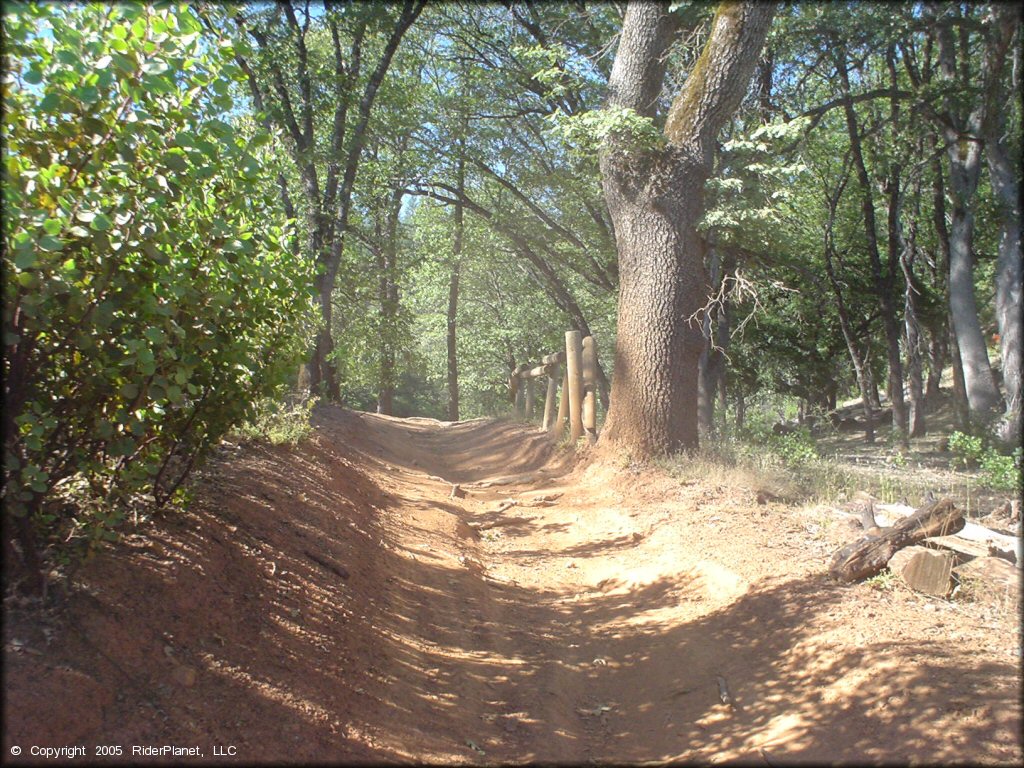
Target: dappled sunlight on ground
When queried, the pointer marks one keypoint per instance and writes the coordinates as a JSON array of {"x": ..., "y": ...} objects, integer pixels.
[{"x": 339, "y": 602}]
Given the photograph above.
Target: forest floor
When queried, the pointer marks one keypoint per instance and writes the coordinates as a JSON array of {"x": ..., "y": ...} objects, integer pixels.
[{"x": 336, "y": 602}]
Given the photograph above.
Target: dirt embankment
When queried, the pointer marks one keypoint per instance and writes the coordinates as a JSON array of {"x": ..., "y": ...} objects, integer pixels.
[{"x": 339, "y": 603}]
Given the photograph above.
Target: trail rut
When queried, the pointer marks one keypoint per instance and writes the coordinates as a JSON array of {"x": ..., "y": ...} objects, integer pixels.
[{"x": 337, "y": 603}]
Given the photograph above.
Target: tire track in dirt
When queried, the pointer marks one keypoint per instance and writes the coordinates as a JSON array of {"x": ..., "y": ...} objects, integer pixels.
[{"x": 474, "y": 638}]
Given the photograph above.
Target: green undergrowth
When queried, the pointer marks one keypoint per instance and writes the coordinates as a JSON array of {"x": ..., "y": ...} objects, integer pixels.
[
  {"x": 279, "y": 422},
  {"x": 793, "y": 467}
]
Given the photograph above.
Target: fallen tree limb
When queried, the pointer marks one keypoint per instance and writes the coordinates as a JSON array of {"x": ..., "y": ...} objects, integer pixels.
[
  {"x": 969, "y": 532},
  {"x": 869, "y": 555}
]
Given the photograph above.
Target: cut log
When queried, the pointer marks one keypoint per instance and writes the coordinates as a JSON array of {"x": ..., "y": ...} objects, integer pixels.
[
  {"x": 924, "y": 570},
  {"x": 872, "y": 553}
]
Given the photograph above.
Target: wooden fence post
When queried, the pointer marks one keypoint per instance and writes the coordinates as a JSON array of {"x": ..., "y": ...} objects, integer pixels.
[
  {"x": 549, "y": 401},
  {"x": 590, "y": 388},
  {"x": 528, "y": 412},
  {"x": 516, "y": 389},
  {"x": 574, "y": 368},
  {"x": 563, "y": 406}
]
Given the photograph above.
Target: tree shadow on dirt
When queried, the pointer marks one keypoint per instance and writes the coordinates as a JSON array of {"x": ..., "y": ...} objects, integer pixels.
[
  {"x": 284, "y": 593},
  {"x": 652, "y": 690}
]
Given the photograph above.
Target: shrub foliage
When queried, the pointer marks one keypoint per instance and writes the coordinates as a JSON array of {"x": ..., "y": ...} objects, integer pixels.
[{"x": 151, "y": 289}]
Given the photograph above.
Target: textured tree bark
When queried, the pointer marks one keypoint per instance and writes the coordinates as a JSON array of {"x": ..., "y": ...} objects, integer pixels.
[
  {"x": 1009, "y": 276},
  {"x": 1003, "y": 177},
  {"x": 655, "y": 198},
  {"x": 964, "y": 154},
  {"x": 871, "y": 554}
]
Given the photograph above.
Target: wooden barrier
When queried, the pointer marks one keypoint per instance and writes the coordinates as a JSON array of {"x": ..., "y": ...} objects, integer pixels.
[
  {"x": 590, "y": 389},
  {"x": 578, "y": 401}
]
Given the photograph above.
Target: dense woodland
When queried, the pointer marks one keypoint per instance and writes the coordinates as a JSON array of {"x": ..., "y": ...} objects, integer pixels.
[{"x": 745, "y": 205}]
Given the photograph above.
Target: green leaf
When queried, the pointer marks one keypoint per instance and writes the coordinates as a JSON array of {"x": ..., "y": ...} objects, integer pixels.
[
  {"x": 88, "y": 94},
  {"x": 155, "y": 67},
  {"x": 53, "y": 226},
  {"x": 50, "y": 243},
  {"x": 50, "y": 102},
  {"x": 175, "y": 159},
  {"x": 100, "y": 223}
]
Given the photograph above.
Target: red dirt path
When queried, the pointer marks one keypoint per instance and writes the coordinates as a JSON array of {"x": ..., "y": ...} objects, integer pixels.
[{"x": 334, "y": 603}]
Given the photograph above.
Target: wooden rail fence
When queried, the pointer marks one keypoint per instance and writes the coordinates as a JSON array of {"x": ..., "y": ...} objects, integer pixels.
[{"x": 578, "y": 402}]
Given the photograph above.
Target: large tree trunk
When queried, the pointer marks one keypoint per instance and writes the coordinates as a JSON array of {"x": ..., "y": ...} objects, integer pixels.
[
  {"x": 1009, "y": 276},
  {"x": 1003, "y": 177},
  {"x": 964, "y": 153},
  {"x": 661, "y": 285},
  {"x": 655, "y": 201}
]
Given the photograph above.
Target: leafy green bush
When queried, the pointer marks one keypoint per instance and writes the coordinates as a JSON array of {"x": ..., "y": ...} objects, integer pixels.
[
  {"x": 151, "y": 290},
  {"x": 999, "y": 471},
  {"x": 1003, "y": 472},
  {"x": 966, "y": 449},
  {"x": 795, "y": 448}
]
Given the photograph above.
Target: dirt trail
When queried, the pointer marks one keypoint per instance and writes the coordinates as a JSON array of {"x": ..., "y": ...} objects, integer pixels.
[{"x": 338, "y": 603}]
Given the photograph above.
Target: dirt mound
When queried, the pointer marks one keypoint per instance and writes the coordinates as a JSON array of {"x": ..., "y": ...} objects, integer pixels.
[{"x": 339, "y": 603}]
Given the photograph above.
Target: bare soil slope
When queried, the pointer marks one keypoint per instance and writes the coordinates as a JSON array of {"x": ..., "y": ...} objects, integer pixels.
[{"x": 338, "y": 603}]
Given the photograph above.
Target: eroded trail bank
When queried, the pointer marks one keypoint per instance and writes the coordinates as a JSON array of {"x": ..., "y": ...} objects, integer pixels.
[{"x": 338, "y": 602}]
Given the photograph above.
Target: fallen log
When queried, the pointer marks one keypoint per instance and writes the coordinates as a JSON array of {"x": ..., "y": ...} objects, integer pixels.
[
  {"x": 870, "y": 554},
  {"x": 970, "y": 531}
]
